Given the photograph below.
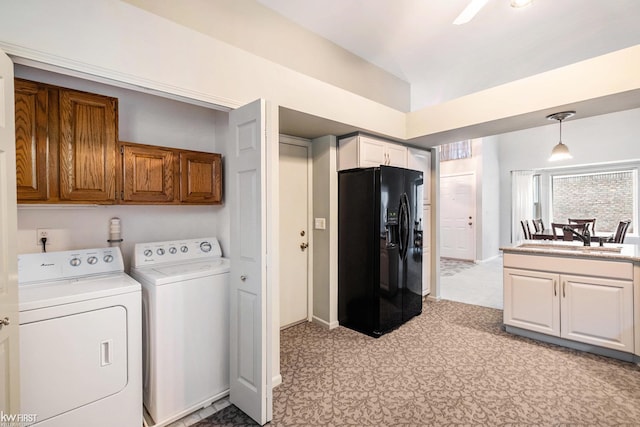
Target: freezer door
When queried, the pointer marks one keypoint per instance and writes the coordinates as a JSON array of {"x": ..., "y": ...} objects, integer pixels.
[{"x": 412, "y": 262}]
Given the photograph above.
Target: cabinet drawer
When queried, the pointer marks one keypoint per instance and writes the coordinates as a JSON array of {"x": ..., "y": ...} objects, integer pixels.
[{"x": 571, "y": 265}]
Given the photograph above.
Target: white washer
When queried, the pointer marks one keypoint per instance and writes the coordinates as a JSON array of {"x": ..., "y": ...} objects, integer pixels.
[
  {"x": 185, "y": 294},
  {"x": 80, "y": 339}
]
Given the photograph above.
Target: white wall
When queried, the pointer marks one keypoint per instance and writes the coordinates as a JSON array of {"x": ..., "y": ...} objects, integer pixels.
[
  {"x": 266, "y": 33},
  {"x": 488, "y": 214},
  {"x": 606, "y": 138},
  {"x": 325, "y": 242},
  {"x": 143, "y": 119},
  {"x": 121, "y": 42}
]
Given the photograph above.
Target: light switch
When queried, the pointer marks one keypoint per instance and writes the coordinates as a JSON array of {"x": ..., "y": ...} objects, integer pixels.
[{"x": 320, "y": 224}]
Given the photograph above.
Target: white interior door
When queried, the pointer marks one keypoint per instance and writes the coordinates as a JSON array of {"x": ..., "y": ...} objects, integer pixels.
[
  {"x": 294, "y": 232},
  {"x": 248, "y": 279},
  {"x": 457, "y": 216},
  {"x": 9, "y": 358}
]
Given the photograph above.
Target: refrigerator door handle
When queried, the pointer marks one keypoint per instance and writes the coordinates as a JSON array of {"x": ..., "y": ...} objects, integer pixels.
[{"x": 405, "y": 228}]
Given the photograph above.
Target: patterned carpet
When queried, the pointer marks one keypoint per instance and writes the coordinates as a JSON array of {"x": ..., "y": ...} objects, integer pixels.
[{"x": 452, "y": 365}]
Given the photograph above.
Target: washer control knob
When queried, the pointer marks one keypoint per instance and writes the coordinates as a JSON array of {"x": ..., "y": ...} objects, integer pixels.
[
  {"x": 205, "y": 246},
  {"x": 108, "y": 258},
  {"x": 75, "y": 262},
  {"x": 148, "y": 252},
  {"x": 92, "y": 260},
  {"x": 160, "y": 251},
  {"x": 172, "y": 250},
  {"x": 184, "y": 249}
]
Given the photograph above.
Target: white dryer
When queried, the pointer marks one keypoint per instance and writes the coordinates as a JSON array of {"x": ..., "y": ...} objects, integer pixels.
[
  {"x": 80, "y": 339},
  {"x": 185, "y": 294}
]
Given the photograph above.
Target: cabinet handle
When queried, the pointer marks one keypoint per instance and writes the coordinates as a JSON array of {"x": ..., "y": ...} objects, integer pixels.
[
  {"x": 564, "y": 294},
  {"x": 555, "y": 288}
]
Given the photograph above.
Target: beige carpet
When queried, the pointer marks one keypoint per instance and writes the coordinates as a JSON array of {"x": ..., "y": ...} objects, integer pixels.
[{"x": 452, "y": 365}]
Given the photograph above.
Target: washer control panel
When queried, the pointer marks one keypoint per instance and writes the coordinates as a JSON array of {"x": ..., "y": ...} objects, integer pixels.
[
  {"x": 153, "y": 253},
  {"x": 51, "y": 266}
]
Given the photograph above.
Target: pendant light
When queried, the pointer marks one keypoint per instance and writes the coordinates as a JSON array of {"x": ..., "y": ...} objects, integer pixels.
[{"x": 560, "y": 151}]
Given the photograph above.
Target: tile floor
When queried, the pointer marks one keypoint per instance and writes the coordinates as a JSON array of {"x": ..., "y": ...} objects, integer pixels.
[
  {"x": 463, "y": 281},
  {"x": 478, "y": 284},
  {"x": 202, "y": 413}
]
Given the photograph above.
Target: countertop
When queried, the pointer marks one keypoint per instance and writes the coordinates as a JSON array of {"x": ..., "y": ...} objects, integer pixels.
[{"x": 612, "y": 251}]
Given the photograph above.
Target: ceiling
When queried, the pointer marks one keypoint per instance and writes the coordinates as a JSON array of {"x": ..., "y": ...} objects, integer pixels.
[{"x": 416, "y": 40}]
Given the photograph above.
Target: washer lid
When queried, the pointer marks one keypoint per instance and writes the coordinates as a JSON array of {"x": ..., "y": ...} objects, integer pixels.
[
  {"x": 59, "y": 292},
  {"x": 164, "y": 274}
]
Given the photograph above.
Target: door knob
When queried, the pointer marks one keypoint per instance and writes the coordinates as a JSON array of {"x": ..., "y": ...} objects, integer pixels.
[
  {"x": 243, "y": 277},
  {"x": 303, "y": 246},
  {"x": 4, "y": 322}
]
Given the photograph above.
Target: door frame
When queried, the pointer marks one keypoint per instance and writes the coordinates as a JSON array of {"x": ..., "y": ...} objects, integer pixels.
[
  {"x": 303, "y": 142},
  {"x": 9, "y": 336},
  {"x": 474, "y": 207}
]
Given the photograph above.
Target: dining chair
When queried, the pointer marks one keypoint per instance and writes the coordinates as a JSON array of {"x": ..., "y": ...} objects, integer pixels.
[
  {"x": 566, "y": 235},
  {"x": 525, "y": 229},
  {"x": 621, "y": 231},
  {"x": 538, "y": 225},
  {"x": 591, "y": 221}
]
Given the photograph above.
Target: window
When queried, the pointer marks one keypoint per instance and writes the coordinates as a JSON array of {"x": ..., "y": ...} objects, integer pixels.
[
  {"x": 455, "y": 150},
  {"x": 608, "y": 196}
]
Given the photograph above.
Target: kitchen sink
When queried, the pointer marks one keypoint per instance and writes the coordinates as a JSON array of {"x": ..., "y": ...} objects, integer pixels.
[{"x": 569, "y": 247}]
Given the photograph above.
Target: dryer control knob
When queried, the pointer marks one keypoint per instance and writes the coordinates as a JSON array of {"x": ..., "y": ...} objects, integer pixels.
[
  {"x": 75, "y": 262},
  {"x": 92, "y": 260},
  {"x": 172, "y": 250},
  {"x": 184, "y": 249},
  {"x": 108, "y": 258},
  {"x": 160, "y": 251},
  {"x": 205, "y": 246},
  {"x": 148, "y": 252}
]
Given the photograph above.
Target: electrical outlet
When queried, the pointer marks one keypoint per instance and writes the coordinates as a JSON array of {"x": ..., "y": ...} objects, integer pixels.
[{"x": 43, "y": 232}]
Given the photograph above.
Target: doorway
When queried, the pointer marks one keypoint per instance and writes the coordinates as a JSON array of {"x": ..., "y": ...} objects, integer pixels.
[{"x": 295, "y": 239}]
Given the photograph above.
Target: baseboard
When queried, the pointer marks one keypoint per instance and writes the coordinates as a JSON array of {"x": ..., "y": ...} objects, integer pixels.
[
  {"x": 433, "y": 298},
  {"x": 324, "y": 323},
  {"x": 276, "y": 381},
  {"x": 482, "y": 261}
]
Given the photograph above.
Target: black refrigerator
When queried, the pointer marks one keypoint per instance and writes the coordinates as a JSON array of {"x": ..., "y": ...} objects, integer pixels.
[{"x": 379, "y": 248}]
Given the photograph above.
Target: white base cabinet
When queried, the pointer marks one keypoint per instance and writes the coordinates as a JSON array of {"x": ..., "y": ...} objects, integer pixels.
[{"x": 586, "y": 309}]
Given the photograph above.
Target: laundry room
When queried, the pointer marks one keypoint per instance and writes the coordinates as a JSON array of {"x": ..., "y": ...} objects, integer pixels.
[{"x": 143, "y": 118}]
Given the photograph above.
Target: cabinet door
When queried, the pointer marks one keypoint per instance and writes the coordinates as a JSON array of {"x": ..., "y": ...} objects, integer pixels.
[
  {"x": 531, "y": 300},
  {"x": 371, "y": 152},
  {"x": 88, "y": 138},
  {"x": 598, "y": 311},
  {"x": 200, "y": 178},
  {"x": 421, "y": 160},
  {"x": 31, "y": 115},
  {"x": 148, "y": 174},
  {"x": 396, "y": 155}
]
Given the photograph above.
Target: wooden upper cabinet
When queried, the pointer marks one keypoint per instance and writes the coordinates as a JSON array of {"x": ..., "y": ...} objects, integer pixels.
[
  {"x": 162, "y": 175},
  {"x": 31, "y": 124},
  {"x": 200, "y": 177},
  {"x": 148, "y": 173},
  {"x": 88, "y": 144}
]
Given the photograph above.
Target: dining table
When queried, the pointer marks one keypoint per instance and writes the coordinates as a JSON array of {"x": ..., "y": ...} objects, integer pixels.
[{"x": 547, "y": 234}]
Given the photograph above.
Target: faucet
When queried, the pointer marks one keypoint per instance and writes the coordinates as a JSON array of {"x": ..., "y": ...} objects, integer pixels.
[{"x": 586, "y": 237}]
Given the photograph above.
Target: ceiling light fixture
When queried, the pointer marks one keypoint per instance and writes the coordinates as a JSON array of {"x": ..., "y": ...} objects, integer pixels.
[
  {"x": 560, "y": 151},
  {"x": 520, "y": 3},
  {"x": 469, "y": 12}
]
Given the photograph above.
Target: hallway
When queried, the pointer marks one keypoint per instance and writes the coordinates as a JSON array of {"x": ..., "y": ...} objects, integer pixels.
[{"x": 478, "y": 284}]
